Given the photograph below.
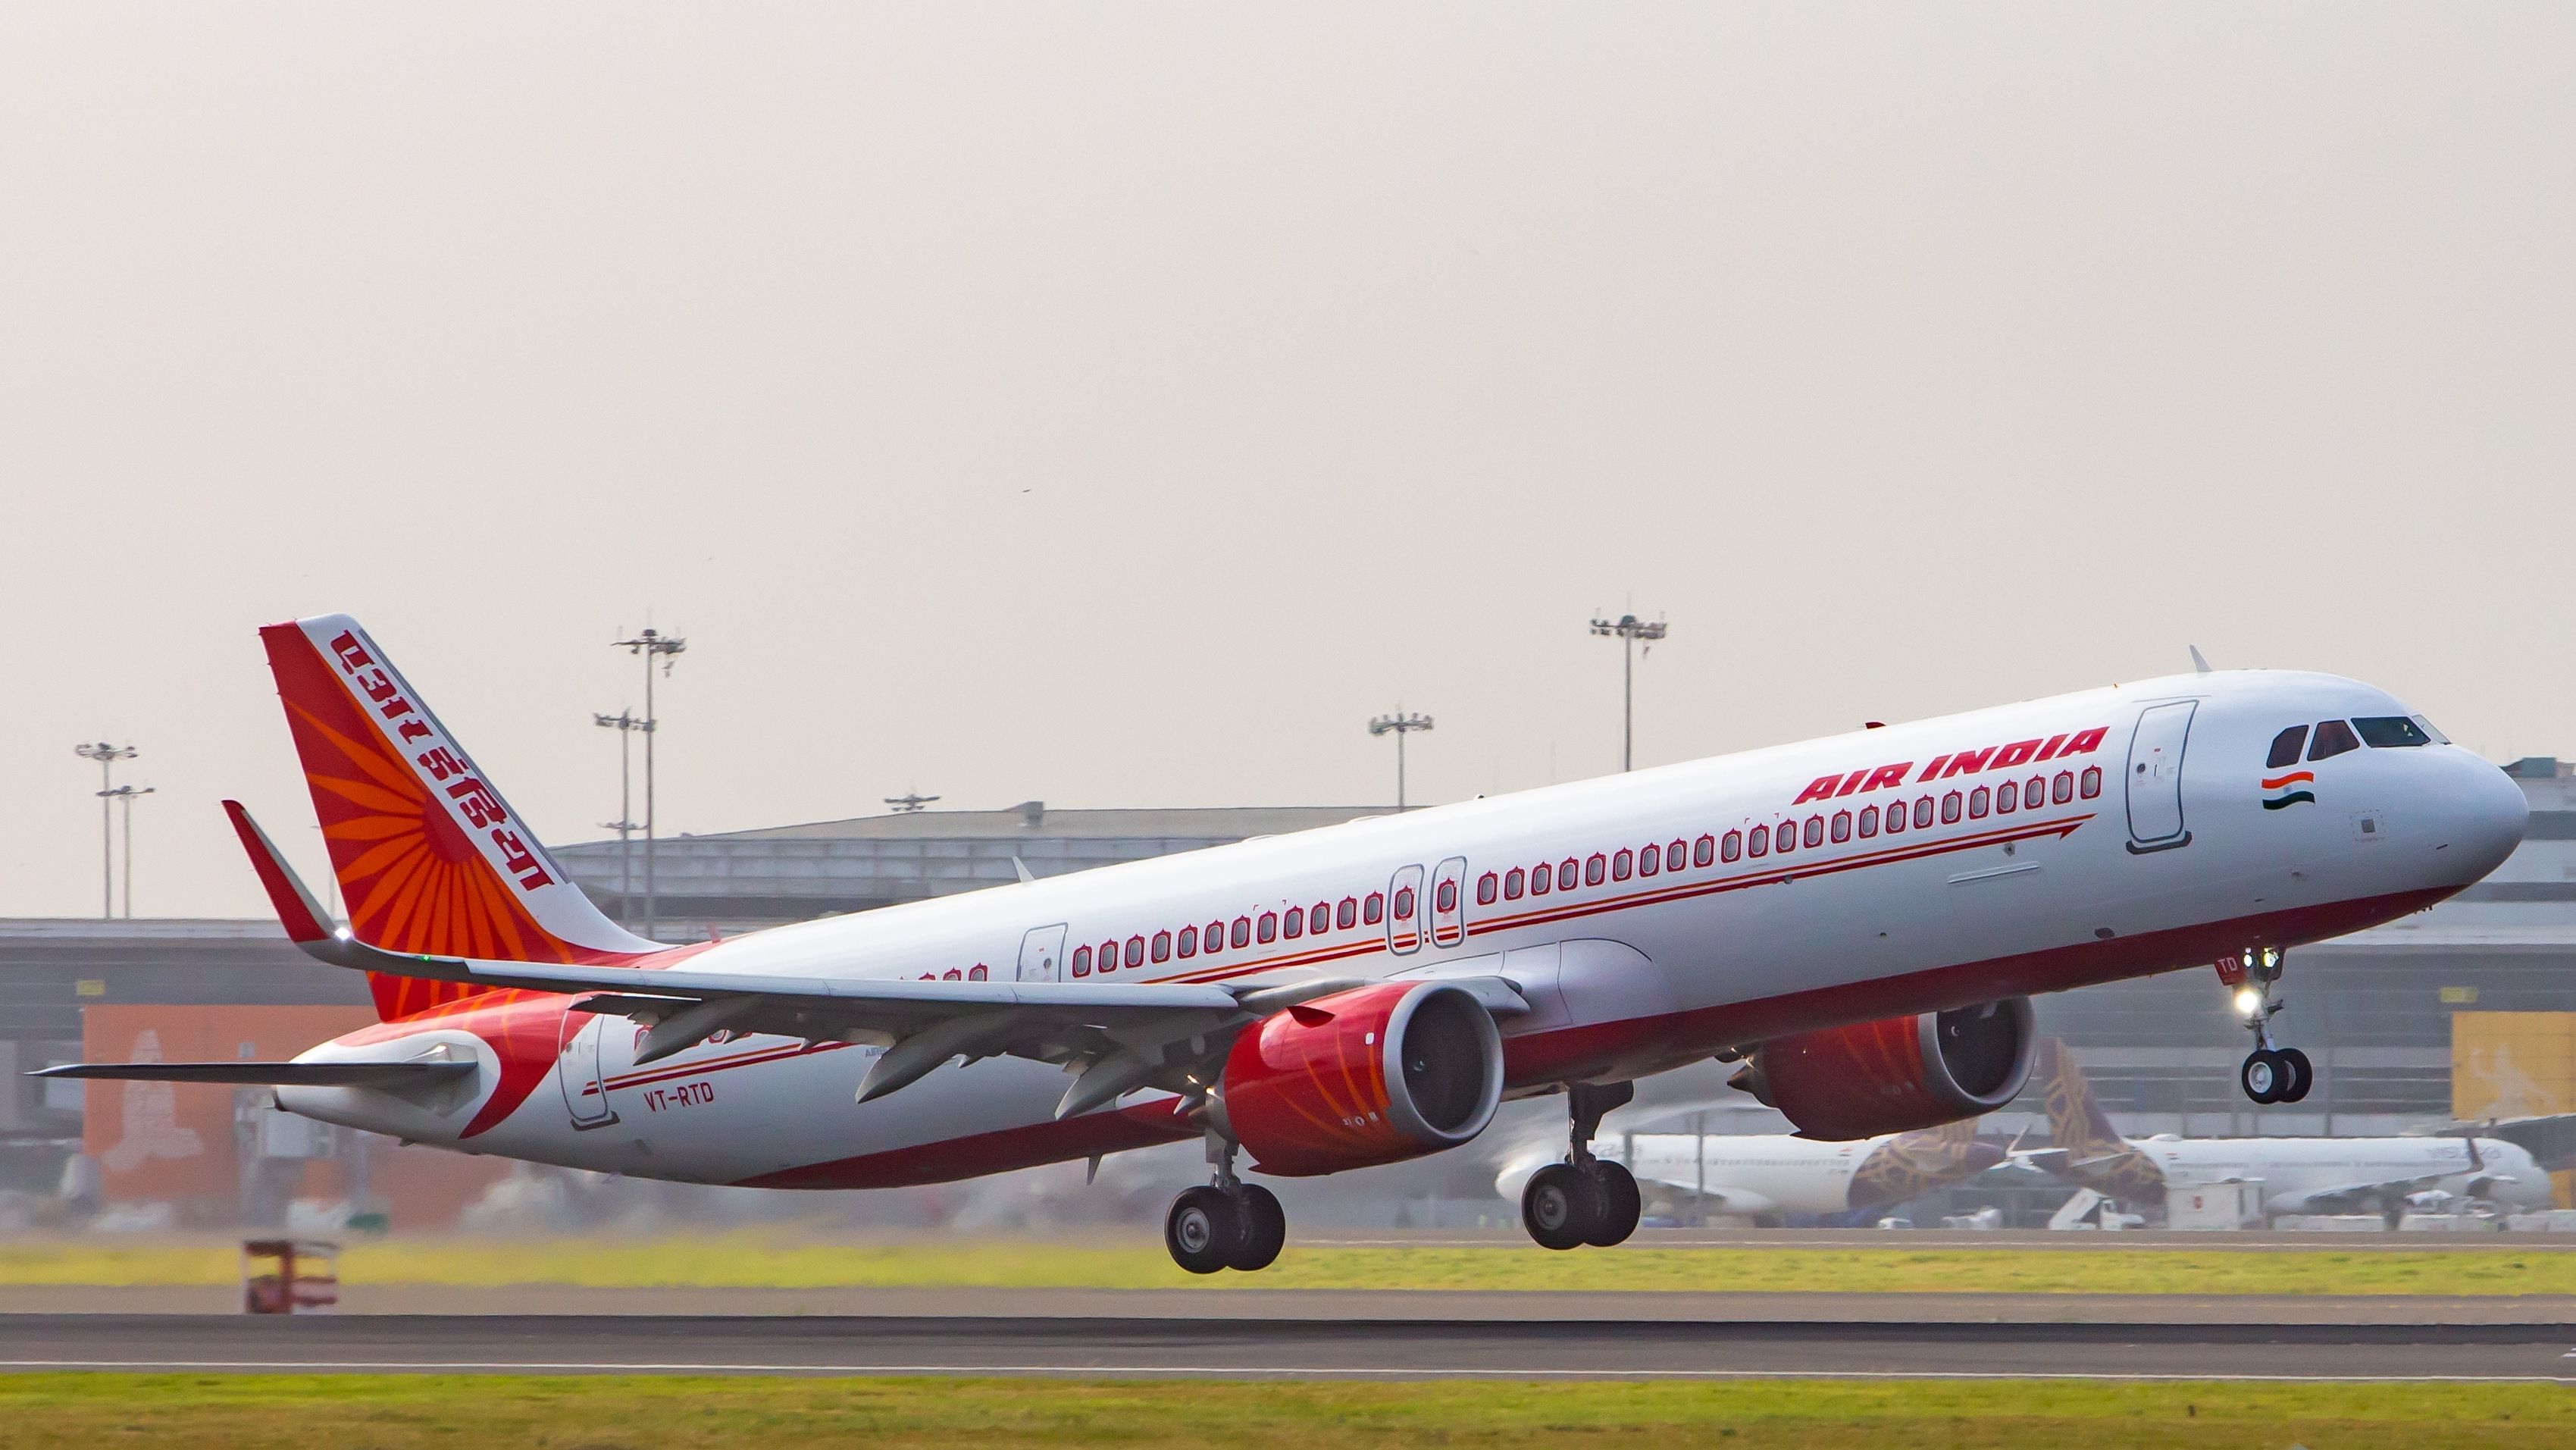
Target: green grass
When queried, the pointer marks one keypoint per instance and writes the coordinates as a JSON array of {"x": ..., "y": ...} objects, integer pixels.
[
  {"x": 759, "y": 1260},
  {"x": 394, "y": 1412}
]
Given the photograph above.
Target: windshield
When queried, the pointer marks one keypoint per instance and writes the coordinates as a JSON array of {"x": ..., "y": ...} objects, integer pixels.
[{"x": 2384, "y": 731}]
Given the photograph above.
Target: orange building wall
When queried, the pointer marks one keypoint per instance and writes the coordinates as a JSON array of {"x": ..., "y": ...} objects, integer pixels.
[{"x": 174, "y": 1142}]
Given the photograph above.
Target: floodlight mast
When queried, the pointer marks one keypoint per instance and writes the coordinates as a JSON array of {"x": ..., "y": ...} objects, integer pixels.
[
  {"x": 625, "y": 723},
  {"x": 125, "y": 795},
  {"x": 1399, "y": 725},
  {"x": 649, "y": 646},
  {"x": 1628, "y": 629},
  {"x": 107, "y": 756}
]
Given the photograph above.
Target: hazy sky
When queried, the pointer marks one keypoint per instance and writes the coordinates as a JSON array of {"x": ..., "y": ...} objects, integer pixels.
[{"x": 1117, "y": 405}]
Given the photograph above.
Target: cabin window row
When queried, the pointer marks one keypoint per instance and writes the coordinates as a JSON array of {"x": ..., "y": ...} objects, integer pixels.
[{"x": 1243, "y": 931}]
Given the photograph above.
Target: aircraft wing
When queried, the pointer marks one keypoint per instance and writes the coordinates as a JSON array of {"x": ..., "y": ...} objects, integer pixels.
[
  {"x": 1716, "y": 1196},
  {"x": 269, "y": 1074},
  {"x": 2338, "y": 1197},
  {"x": 1117, "y": 1036}
]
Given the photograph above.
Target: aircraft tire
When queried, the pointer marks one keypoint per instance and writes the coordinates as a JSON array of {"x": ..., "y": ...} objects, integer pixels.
[
  {"x": 1622, "y": 1205},
  {"x": 1560, "y": 1206},
  {"x": 1203, "y": 1230},
  {"x": 2302, "y": 1074},
  {"x": 1265, "y": 1230},
  {"x": 2263, "y": 1075}
]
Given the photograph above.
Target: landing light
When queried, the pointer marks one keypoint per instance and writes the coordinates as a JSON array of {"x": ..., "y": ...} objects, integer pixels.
[{"x": 2249, "y": 1001}]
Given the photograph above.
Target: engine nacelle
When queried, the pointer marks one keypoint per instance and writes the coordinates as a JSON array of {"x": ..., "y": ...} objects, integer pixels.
[
  {"x": 1898, "y": 1074},
  {"x": 1373, "y": 1075}
]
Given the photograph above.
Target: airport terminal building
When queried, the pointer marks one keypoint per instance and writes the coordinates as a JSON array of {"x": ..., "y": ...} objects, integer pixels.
[{"x": 2466, "y": 1010}]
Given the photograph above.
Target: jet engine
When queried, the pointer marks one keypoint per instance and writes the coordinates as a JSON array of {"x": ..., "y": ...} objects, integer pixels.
[
  {"x": 1898, "y": 1074},
  {"x": 1372, "y": 1075}
]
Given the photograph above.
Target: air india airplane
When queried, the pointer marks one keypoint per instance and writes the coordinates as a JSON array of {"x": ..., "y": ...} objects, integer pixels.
[{"x": 1859, "y": 919}]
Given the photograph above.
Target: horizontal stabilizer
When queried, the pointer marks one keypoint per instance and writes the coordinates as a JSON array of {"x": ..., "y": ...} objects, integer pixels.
[{"x": 269, "y": 1074}]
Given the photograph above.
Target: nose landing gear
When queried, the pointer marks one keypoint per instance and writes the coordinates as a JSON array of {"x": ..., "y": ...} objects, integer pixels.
[
  {"x": 1584, "y": 1200},
  {"x": 2269, "y": 1074},
  {"x": 1229, "y": 1224}
]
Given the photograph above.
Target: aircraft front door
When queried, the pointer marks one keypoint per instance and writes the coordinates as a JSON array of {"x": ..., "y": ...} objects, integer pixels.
[
  {"x": 2155, "y": 777},
  {"x": 585, "y": 1095},
  {"x": 1041, "y": 952}
]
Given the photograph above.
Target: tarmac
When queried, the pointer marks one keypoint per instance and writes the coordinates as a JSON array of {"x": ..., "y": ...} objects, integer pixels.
[{"x": 1300, "y": 1347}]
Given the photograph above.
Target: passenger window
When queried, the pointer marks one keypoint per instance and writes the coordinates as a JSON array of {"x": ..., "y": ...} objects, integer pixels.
[
  {"x": 1295, "y": 924},
  {"x": 2034, "y": 792},
  {"x": 1318, "y": 917},
  {"x": 1216, "y": 936},
  {"x": 1347, "y": 914},
  {"x": 1189, "y": 942},
  {"x": 1784, "y": 837},
  {"x": 2007, "y": 797},
  {"x": 2383, "y": 732},
  {"x": 1896, "y": 818},
  {"x": 2285, "y": 747},
  {"x": 1842, "y": 825},
  {"x": 1243, "y": 931},
  {"x": 1868, "y": 822},
  {"x": 951, "y": 975},
  {"x": 1622, "y": 866},
  {"x": 1542, "y": 879},
  {"x": 1082, "y": 961},
  {"x": 1978, "y": 802},
  {"x": 2062, "y": 789},
  {"x": 1265, "y": 928},
  {"x": 1950, "y": 808},
  {"x": 1760, "y": 841},
  {"x": 1734, "y": 844},
  {"x": 1565, "y": 874},
  {"x": 1815, "y": 831},
  {"x": 1404, "y": 904},
  {"x": 2333, "y": 738},
  {"x": 1444, "y": 897},
  {"x": 1700, "y": 849},
  {"x": 1135, "y": 951},
  {"x": 1922, "y": 812},
  {"x": 1162, "y": 946},
  {"x": 1488, "y": 886},
  {"x": 1650, "y": 861},
  {"x": 1675, "y": 857},
  {"x": 1592, "y": 870},
  {"x": 1109, "y": 956},
  {"x": 2092, "y": 781},
  {"x": 1375, "y": 911},
  {"x": 1514, "y": 881}
]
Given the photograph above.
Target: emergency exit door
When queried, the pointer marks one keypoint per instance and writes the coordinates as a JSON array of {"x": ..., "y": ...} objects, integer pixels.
[{"x": 1040, "y": 953}]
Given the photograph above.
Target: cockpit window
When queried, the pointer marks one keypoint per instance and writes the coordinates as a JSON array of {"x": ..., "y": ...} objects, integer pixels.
[
  {"x": 2333, "y": 738},
  {"x": 2384, "y": 731},
  {"x": 2285, "y": 746},
  {"x": 2431, "y": 729}
]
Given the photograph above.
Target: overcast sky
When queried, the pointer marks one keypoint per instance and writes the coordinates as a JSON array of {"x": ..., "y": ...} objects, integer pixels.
[{"x": 1118, "y": 405}]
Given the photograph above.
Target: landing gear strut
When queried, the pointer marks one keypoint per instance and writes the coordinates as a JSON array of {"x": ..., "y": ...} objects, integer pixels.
[
  {"x": 1229, "y": 1224},
  {"x": 1584, "y": 1200},
  {"x": 2269, "y": 1074}
]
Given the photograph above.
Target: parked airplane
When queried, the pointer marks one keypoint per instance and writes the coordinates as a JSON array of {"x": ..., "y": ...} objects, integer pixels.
[
  {"x": 2299, "y": 1175},
  {"x": 1858, "y": 918},
  {"x": 1759, "y": 1174}
]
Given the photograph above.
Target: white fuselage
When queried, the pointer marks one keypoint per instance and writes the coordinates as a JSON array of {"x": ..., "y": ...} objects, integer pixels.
[
  {"x": 2328, "y": 1175},
  {"x": 1743, "y": 1174},
  {"x": 2166, "y": 860}
]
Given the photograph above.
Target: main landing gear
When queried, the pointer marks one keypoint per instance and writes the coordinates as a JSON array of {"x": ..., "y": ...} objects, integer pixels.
[
  {"x": 1584, "y": 1200},
  {"x": 2269, "y": 1074},
  {"x": 1229, "y": 1224}
]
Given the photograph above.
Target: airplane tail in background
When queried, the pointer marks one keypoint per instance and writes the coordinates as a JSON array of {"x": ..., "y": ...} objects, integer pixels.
[
  {"x": 431, "y": 860},
  {"x": 2085, "y": 1148},
  {"x": 1911, "y": 1164}
]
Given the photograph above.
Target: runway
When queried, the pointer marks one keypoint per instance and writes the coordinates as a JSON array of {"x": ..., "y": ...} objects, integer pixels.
[{"x": 1239, "y": 1348}]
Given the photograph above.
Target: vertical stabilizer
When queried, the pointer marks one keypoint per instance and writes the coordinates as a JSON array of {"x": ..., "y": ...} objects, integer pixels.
[
  {"x": 2090, "y": 1152},
  {"x": 431, "y": 860}
]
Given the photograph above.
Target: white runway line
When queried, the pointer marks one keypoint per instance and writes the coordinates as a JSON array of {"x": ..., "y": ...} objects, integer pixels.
[{"x": 292, "y": 1366}]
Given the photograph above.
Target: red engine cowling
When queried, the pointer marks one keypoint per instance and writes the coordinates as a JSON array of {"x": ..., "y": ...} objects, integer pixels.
[
  {"x": 1896, "y": 1075},
  {"x": 1373, "y": 1075}
]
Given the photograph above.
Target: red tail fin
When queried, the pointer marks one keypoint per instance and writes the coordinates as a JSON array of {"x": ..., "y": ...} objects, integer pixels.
[{"x": 431, "y": 860}]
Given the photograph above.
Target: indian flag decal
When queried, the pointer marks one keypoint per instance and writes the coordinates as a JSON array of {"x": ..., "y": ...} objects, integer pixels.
[{"x": 2291, "y": 790}]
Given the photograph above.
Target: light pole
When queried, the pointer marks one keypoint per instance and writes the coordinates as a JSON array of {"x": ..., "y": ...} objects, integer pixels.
[
  {"x": 1629, "y": 629},
  {"x": 909, "y": 803},
  {"x": 625, "y": 724},
  {"x": 107, "y": 756},
  {"x": 649, "y": 646},
  {"x": 125, "y": 795},
  {"x": 1399, "y": 725}
]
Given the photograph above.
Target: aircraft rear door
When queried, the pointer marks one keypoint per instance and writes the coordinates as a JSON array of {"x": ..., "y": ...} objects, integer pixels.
[
  {"x": 2155, "y": 777},
  {"x": 1041, "y": 951},
  {"x": 585, "y": 1096}
]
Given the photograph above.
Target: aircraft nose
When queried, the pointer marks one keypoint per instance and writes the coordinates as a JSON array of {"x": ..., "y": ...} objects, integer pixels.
[{"x": 2487, "y": 815}]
